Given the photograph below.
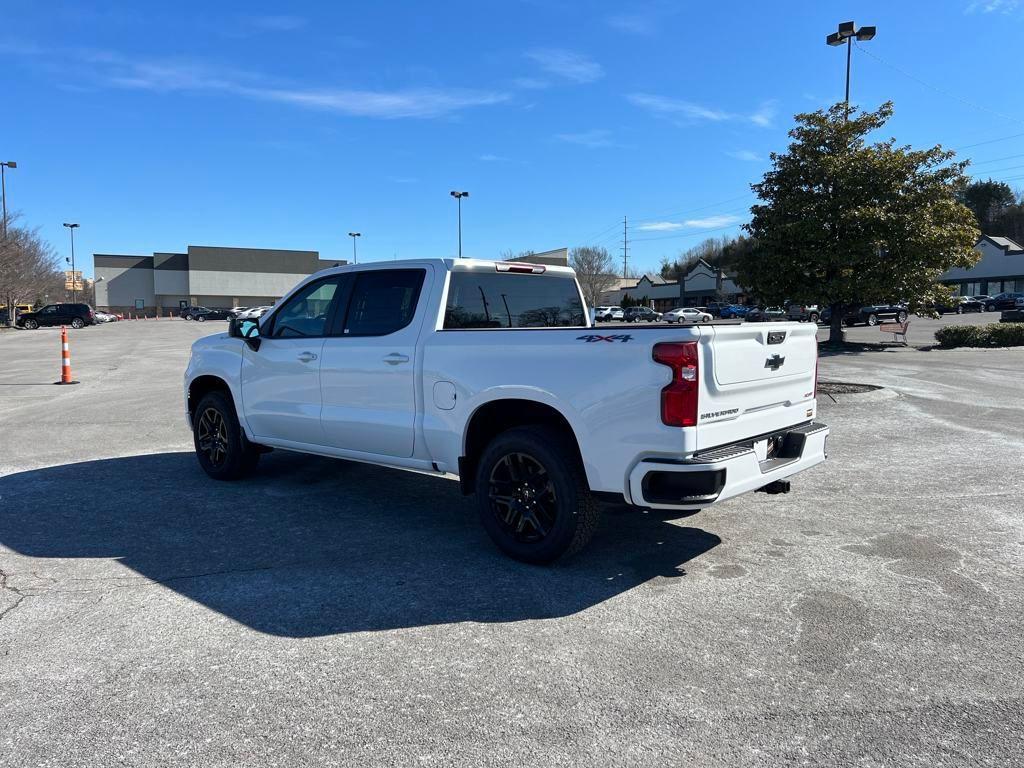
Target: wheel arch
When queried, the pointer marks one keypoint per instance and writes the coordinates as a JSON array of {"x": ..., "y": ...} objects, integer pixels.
[
  {"x": 203, "y": 385},
  {"x": 493, "y": 417}
]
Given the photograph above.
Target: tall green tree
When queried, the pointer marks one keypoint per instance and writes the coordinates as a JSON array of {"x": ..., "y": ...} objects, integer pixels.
[
  {"x": 988, "y": 200},
  {"x": 843, "y": 222}
]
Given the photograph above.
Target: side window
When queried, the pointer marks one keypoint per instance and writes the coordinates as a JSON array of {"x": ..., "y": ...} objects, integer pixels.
[
  {"x": 50, "y": 309},
  {"x": 305, "y": 313},
  {"x": 383, "y": 301}
]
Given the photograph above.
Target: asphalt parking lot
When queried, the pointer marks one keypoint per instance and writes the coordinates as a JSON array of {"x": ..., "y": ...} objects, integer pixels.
[{"x": 332, "y": 613}]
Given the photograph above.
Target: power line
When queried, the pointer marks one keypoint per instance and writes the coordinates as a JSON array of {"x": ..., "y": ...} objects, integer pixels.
[
  {"x": 990, "y": 141},
  {"x": 995, "y": 160},
  {"x": 936, "y": 88},
  {"x": 997, "y": 170},
  {"x": 684, "y": 234}
]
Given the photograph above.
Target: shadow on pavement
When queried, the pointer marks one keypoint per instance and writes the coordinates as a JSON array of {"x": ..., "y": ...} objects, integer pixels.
[{"x": 312, "y": 546}]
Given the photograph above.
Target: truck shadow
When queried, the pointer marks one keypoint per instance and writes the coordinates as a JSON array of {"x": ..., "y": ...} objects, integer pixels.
[{"x": 313, "y": 546}]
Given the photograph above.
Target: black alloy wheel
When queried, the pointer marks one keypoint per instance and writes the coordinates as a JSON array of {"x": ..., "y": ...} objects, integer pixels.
[
  {"x": 532, "y": 494},
  {"x": 522, "y": 497},
  {"x": 221, "y": 446},
  {"x": 212, "y": 437}
]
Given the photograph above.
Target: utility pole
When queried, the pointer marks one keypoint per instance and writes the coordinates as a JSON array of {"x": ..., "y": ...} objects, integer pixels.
[{"x": 625, "y": 248}]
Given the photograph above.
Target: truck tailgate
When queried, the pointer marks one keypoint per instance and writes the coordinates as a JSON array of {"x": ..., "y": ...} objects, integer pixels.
[{"x": 761, "y": 379}]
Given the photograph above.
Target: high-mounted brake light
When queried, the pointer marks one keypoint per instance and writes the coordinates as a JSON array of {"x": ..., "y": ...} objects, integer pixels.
[
  {"x": 527, "y": 269},
  {"x": 679, "y": 397}
]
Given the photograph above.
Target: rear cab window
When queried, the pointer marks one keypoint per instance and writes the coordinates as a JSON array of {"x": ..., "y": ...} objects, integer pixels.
[{"x": 481, "y": 299}]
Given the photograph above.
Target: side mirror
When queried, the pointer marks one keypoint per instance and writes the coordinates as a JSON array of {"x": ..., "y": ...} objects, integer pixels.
[{"x": 249, "y": 330}]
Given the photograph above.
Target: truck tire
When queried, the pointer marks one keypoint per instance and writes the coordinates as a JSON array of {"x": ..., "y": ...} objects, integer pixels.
[
  {"x": 221, "y": 446},
  {"x": 532, "y": 495}
]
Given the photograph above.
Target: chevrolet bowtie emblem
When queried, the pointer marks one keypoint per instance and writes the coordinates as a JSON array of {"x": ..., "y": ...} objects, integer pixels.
[{"x": 774, "y": 362}]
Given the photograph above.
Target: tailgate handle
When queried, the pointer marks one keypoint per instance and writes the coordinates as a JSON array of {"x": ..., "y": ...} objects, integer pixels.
[{"x": 776, "y": 337}]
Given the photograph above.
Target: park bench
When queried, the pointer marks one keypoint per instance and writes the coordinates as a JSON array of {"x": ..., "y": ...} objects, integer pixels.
[{"x": 896, "y": 329}]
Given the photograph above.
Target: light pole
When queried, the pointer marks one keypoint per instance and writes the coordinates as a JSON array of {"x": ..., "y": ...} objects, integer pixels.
[
  {"x": 846, "y": 33},
  {"x": 458, "y": 196},
  {"x": 74, "y": 283},
  {"x": 4, "y": 165},
  {"x": 354, "y": 235}
]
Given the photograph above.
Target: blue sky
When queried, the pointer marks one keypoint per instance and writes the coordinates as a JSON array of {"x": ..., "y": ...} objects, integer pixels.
[{"x": 157, "y": 125}]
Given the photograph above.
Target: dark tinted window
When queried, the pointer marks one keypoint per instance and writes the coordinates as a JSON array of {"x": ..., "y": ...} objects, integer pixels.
[
  {"x": 305, "y": 313},
  {"x": 481, "y": 299},
  {"x": 383, "y": 301}
]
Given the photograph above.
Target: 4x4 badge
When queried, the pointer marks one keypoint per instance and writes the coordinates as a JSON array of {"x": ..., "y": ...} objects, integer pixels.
[{"x": 774, "y": 362}]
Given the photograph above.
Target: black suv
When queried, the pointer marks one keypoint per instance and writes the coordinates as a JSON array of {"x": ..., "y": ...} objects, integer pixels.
[
  {"x": 636, "y": 314},
  {"x": 75, "y": 315},
  {"x": 871, "y": 314},
  {"x": 202, "y": 314}
]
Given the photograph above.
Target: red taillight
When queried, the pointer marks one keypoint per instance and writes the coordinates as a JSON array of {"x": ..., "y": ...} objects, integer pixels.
[{"x": 679, "y": 398}]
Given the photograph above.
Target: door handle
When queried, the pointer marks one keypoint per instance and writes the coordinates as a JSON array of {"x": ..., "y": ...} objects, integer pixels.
[
  {"x": 307, "y": 357},
  {"x": 394, "y": 359}
]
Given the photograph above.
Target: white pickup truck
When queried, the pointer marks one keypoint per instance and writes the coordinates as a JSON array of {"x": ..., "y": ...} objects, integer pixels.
[{"x": 490, "y": 372}]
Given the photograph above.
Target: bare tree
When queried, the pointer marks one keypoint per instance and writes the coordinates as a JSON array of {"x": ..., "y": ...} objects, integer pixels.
[
  {"x": 594, "y": 270},
  {"x": 29, "y": 267}
]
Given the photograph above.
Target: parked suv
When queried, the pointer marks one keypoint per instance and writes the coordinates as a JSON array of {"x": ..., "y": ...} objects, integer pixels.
[
  {"x": 1005, "y": 300},
  {"x": 871, "y": 314},
  {"x": 726, "y": 311},
  {"x": 75, "y": 315},
  {"x": 636, "y": 314},
  {"x": 809, "y": 313}
]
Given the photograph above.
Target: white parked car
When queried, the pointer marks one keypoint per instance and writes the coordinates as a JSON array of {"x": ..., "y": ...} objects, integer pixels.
[
  {"x": 253, "y": 313},
  {"x": 608, "y": 314},
  {"x": 687, "y": 315},
  {"x": 490, "y": 373},
  {"x": 104, "y": 317}
]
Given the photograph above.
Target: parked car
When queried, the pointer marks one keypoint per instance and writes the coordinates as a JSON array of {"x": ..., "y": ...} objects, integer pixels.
[
  {"x": 1005, "y": 300},
  {"x": 765, "y": 314},
  {"x": 186, "y": 313},
  {"x": 809, "y": 313},
  {"x": 638, "y": 314},
  {"x": 254, "y": 313},
  {"x": 984, "y": 298},
  {"x": 871, "y": 314},
  {"x": 687, "y": 315},
  {"x": 104, "y": 317},
  {"x": 444, "y": 367},
  {"x": 607, "y": 314},
  {"x": 201, "y": 315},
  {"x": 75, "y": 315},
  {"x": 236, "y": 311},
  {"x": 726, "y": 311},
  {"x": 960, "y": 305}
]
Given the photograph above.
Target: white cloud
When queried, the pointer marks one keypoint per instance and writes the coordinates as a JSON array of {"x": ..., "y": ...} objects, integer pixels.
[
  {"x": 424, "y": 102},
  {"x": 993, "y": 6},
  {"x": 665, "y": 105},
  {"x": 748, "y": 155},
  {"x": 709, "y": 222},
  {"x": 689, "y": 111},
  {"x": 633, "y": 23},
  {"x": 765, "y": 115},
  {"x": 659, "y": 226},
  {"x": 594, "y": 139},
  {"x": 530, "y": 83},
  {"x": 401, "y": 103},
  {"x": 568, "y": 65}
]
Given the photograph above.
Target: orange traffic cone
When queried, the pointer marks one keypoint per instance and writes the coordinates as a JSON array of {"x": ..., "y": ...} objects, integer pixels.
[{"x": 65, "y": 359}]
